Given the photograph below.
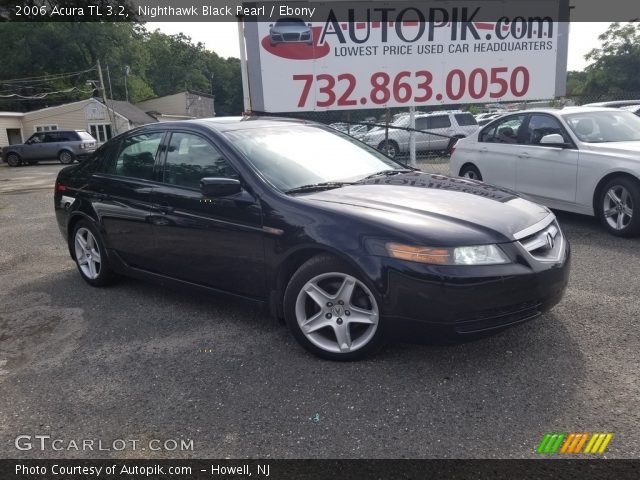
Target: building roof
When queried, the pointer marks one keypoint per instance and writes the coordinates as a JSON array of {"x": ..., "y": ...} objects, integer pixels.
[{"x": 131, "y": 112}]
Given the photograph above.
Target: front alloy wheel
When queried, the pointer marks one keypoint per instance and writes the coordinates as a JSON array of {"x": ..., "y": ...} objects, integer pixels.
[
  {"x": 66, "y": 157},
  {"x": 331, "y": 312},
  {"x": 618, "y": 207}
]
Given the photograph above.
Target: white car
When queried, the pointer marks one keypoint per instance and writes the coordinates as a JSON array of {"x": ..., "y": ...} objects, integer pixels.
[
  {"x": 579, "y": 159},
  {"x": 435, "y": 131}
]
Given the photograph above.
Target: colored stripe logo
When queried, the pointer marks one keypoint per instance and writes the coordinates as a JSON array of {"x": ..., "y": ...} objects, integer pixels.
[{"x": 573, "y": 443}]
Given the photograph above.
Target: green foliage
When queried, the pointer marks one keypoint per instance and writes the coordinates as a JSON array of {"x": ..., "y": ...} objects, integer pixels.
[
  {"x": 613, "y": 73},
  {"x": 159, "y": 64}
]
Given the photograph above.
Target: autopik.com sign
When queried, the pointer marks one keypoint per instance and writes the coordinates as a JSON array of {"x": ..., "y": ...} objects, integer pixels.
[{"x": 376, "y": 54}]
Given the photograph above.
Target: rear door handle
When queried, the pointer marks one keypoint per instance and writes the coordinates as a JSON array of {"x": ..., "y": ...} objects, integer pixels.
[
  {"x": 524, "y": 155},
  {"x": 484, "y": 150}
]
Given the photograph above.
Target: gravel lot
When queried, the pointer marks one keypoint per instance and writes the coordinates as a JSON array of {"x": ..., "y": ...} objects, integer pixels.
[{"x": 137, "y": 361}]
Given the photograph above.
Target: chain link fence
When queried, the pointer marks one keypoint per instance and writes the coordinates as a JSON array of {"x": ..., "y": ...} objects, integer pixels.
[{"x": 436, "y": 129}]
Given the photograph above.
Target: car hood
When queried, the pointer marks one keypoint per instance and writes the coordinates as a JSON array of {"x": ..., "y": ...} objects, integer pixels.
[
  {"x": 437, "y": 203},
  {"x": 630, "y": 149}
]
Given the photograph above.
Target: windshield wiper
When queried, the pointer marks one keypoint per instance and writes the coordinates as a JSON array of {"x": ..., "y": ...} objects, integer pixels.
[
  {"x": 314, "y": 187},
  {"x": 387, "y": 173}
]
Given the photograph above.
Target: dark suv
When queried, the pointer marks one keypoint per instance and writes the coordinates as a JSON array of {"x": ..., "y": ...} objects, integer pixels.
[{"x": 65, "y": 145}]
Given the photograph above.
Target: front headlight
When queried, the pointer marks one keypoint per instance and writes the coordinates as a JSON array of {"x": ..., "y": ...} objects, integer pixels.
[{"x": 474, "y": 255}]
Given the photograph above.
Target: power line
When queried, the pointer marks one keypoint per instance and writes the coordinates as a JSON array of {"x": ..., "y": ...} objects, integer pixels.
[
  {"x": 40, "y": 96},
  {"x": 46, "y": 78}
]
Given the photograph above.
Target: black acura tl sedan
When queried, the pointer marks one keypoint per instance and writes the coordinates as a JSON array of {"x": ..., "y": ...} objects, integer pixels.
[{"x": 348, "y": 245}]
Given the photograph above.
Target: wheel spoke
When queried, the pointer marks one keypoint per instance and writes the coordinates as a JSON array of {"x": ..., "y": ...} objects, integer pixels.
[
  {"x": 628, "y": 211},
  {"x": 92, "y": 269},
  {"x": 317, "y": 294},
  {"x": 612, "y": 195},
  {"x": 619, "y": 221},
  {"x": 90, "y": 241},
  {"x": 610, "y": 212},
  {"x": 362, "y": 316},
  {"x": 315, "y": 323},
  {"x": 346, "y": 289},
  {"x": 82, "y": 260},
  {"x": 95, "y": 254},
  {"x": 343, "y": 336},
  {"x": 625, "y": 196},
  {"x": 82, "y": 242}
]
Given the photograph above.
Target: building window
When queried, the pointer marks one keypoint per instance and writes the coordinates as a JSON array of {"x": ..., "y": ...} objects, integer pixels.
[
  {"x": 46, "y": 128},
  {"x": 100, "y": 131}
]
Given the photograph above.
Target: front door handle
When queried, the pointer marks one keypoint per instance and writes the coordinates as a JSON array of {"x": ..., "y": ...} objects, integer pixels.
[
  {"x": 165, "y": 208},
  {"x": 524, "y": 155}
]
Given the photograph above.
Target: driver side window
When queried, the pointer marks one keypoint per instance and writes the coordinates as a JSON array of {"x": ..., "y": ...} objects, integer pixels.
[
  {"x": 191, "y": 158},
  {"x": 541, "y": 126}
]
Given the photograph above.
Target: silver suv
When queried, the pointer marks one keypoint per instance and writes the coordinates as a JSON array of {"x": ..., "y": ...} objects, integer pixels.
[
  {"x": 438, "y": 132},
  {"x": 65, "y": 145}
]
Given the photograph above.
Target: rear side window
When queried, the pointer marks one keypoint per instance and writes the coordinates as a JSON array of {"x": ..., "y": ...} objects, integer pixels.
[
  {"x": 440, "y": 121},
  {"x": 137, "y": 156},
  {"x": 465, "y": 119},
  {"x": 505, "y": 130}
]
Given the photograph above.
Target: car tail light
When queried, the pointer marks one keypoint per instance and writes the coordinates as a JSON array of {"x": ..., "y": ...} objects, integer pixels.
[{"x": 60, "y": 187}]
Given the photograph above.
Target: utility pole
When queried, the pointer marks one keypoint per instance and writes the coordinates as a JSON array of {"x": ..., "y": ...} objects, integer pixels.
[
  {"x": 104, "y": 99},
  {"x": 126, "y": 78}
]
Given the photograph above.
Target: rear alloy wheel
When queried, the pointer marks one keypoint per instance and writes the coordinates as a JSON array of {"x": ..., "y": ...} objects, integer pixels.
[
  {"x": 389, "y": 148},
  {"x": 331, "y": 312},
  {"x": 66, "y": 157},
  {"x": 620, "y": 207},
  {"x": 90, "y": 255},
  {"x": 471, "y": 172},
  {"x": 13, "y": 160}
]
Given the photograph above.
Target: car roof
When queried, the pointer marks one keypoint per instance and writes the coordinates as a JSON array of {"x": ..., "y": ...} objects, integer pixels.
[{"x": 225, "y": 124}]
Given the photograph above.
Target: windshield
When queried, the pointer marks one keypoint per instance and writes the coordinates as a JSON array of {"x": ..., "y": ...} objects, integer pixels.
[
  {"x": 296, "y": 155},
  {"x": 605, "y": 126},
  {"x": 86, "y": 136}
]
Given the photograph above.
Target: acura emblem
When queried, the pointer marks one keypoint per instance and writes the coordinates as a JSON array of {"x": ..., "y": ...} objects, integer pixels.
[{"x": 550, "y": 241}]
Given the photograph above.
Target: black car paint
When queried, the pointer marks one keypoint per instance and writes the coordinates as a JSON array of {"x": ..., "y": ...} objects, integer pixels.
[{"x": 250, "y": 243}]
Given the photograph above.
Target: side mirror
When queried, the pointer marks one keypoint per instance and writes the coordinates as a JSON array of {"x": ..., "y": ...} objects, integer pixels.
[
  {"x": 219, "y": 187},
  {"x": 271, "y": 25},
  {"x": 553, "y": 140}
]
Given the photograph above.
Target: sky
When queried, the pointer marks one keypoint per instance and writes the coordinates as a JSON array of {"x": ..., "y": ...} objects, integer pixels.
[{"x": 222, "y": 37}]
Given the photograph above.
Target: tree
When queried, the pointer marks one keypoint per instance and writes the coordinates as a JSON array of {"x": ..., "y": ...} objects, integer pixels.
[{"x": 615, "y": 67}]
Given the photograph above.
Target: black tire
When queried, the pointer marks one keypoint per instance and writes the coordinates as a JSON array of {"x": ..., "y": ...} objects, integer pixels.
[
  {"x": 471, "y": 172},
  {"x": 66, "y": 157},
  {"x": 389, "y": 148},
  {"x": 621, "y": 219},
  {"x": 366, "y": 338},
  {"x": 105, "y": 275},
  {"x": 13, "y": 160}
]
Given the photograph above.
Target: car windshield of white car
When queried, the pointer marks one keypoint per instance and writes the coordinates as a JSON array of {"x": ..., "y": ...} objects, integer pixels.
[
  {"x": 600, "y": 127},
  {"x": 300, "y": 155}
]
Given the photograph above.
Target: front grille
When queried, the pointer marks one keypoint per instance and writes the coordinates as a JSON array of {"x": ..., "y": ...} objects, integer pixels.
[
  {"x": 291, "y": 37},
  {"x": 546, "y": 245}
]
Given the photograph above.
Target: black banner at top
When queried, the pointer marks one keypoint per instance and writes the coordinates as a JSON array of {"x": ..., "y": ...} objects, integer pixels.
[{"x": 311, "y": 10}]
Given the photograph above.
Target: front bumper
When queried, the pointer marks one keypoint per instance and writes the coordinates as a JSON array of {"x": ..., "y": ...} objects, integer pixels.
[{"x": 473, "y": 298}]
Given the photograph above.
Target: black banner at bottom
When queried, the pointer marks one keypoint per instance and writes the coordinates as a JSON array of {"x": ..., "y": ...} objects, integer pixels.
[{"x": 317, "y": 469}]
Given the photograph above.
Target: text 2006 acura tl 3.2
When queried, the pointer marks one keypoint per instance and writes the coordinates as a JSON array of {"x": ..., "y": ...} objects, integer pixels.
[{"x": 346, "y": 244}]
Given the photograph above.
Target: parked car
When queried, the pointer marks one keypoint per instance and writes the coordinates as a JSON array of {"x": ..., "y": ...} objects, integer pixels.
[
  {"x": 65, "y": 145},
  {"x": 290, "y": 30},
  {"x": 438, "y": 131},
  {"x": 580, "y": 159},
  {"x": 630, "y": 105},
  {"x": 348, "y": 252},
  {"x": 485, "y": 118}
]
